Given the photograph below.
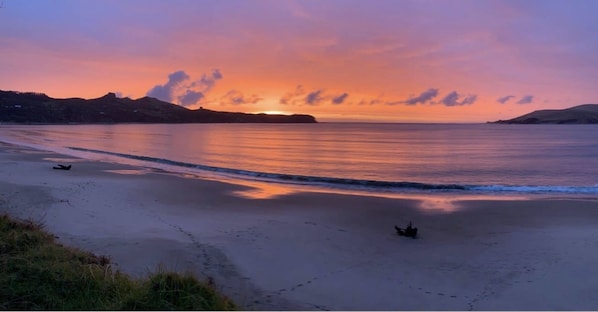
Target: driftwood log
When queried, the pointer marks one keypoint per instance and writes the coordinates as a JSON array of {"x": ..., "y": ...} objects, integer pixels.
[
  {"x": 62, "y": 167},
  {"x": 409, "y": 231}
]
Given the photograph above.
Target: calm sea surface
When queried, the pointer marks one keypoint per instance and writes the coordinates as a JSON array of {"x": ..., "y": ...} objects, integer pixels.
[{"x": 393, "y": 157}]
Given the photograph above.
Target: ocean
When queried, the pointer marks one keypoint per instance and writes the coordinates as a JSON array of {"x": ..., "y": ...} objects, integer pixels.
[{"x": 369, "y": 157}]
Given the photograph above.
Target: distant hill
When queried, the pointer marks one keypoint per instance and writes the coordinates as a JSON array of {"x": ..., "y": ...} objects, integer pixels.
[
  {"x": 38, "y": 108},
  {"x": 582, "y": 114}
]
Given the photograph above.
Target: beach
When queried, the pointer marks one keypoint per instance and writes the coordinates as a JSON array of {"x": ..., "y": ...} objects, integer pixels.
[{"x": 314, "y": 250}]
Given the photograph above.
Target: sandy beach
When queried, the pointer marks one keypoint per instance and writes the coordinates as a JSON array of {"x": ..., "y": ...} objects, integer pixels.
[{"x": 314, "y": 251}]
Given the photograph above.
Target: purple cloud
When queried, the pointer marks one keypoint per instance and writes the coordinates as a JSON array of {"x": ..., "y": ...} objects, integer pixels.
[
  {"x": 452, "y": 99},
  {"x": 423, "y": 97},
  {"x": 314, "y": 98},
  {"x": 470, "y": 99},
  {"x": 370, "y": 102},
  {"x": 235, "y": 97},
  {"x": 340, "y": 99},
  {"x": 300, "y": 96},
  {"x": 504, "y": 99},
  {"x": 190, "y": 97},
  {"x": 166, "y": 91},
  {"x": 185, "y": 92},
  {"x": 207, "y": 82},
  {"x": 290, "y": 97},
  {"x": 526, "y": 99}
]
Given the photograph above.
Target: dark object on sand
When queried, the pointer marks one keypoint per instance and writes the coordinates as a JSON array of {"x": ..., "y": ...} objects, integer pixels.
[
  {"x": 62, "y": 167},
  {"x": 409, "y": 231}
]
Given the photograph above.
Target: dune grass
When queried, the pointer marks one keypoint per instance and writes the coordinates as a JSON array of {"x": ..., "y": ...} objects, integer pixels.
[{"x": 36, "y": 273}]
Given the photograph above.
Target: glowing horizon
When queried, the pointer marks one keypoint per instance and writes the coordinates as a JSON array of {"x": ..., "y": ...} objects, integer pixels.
[{"x": 387, "y": 61}]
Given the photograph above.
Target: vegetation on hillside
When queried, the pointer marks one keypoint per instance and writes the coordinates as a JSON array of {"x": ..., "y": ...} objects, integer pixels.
[{"x": 36, "y": 273}]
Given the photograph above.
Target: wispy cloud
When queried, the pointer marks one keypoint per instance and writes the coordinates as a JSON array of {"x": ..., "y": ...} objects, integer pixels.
[
  {"x": 207, "y": 82},
  {"x": 423, "y": 98},
  {"x": 291, "y": 97},
  {"x": 504, "y": 99},
  {"x": 314, "y": 98},
  {"x": 427, "y": 97},
  {"x": 340, "y": 99},
  {"x": 452, "y": 99},
  {"x": 300, "y": 96},
  {"x": 526, "y": 99},
  {"x": 235, "y": 97},
  {"x": 370, "y": 102}
]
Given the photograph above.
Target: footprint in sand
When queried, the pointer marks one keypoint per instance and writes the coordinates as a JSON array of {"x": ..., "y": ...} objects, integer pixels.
[{"x": 438, "y": 293}]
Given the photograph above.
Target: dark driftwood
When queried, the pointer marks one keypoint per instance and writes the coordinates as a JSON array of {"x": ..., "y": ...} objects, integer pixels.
[
  {"x": 62, "y": 167},
  {"x": 409, "y": 231}
]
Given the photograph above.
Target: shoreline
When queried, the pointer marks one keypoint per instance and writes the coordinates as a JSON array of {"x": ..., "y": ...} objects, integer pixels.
[{"x": 314, "y": 250}]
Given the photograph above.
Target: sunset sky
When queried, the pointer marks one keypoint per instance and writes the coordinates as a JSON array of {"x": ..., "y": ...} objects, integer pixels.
[{"x": 339, "y": 60}]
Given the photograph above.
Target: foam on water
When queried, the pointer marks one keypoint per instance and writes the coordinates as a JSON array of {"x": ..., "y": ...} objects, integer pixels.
[{"x": 362, "y": 184}]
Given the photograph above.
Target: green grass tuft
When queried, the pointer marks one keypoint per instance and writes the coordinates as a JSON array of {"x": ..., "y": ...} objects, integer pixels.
[{"x": 38, "y": 274}]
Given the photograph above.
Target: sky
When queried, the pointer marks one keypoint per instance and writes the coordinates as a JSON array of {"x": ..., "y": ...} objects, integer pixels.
[{"x": 339, "y": 60}]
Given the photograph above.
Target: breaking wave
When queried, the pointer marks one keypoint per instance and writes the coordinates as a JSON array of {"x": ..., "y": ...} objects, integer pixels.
[{"x": 359, "y": 183}]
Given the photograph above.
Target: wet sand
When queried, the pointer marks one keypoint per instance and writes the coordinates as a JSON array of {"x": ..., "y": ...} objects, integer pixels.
[{"x": 309, "y": 250}]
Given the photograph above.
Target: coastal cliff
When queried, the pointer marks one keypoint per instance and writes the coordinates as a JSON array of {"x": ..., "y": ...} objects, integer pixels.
[
  {"x": 582, "y": 114},
  {"x": 38, "y": 108}
]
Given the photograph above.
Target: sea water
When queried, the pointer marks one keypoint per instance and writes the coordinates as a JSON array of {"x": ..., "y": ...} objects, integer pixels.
[{"x": 377, "y": 157}]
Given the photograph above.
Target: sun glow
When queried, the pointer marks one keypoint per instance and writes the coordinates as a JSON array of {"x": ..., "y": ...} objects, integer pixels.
[{"x": 273, "y": 112}]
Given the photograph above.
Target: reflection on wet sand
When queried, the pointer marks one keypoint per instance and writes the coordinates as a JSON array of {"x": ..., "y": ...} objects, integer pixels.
[
  {"x": 263, "y": 191},
  {"x": 129, "y": 171},
  {"x": 63, "y": 159}
]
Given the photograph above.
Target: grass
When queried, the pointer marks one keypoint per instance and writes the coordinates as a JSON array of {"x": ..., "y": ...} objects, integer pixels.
[{"x": 36, "y": 273}]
